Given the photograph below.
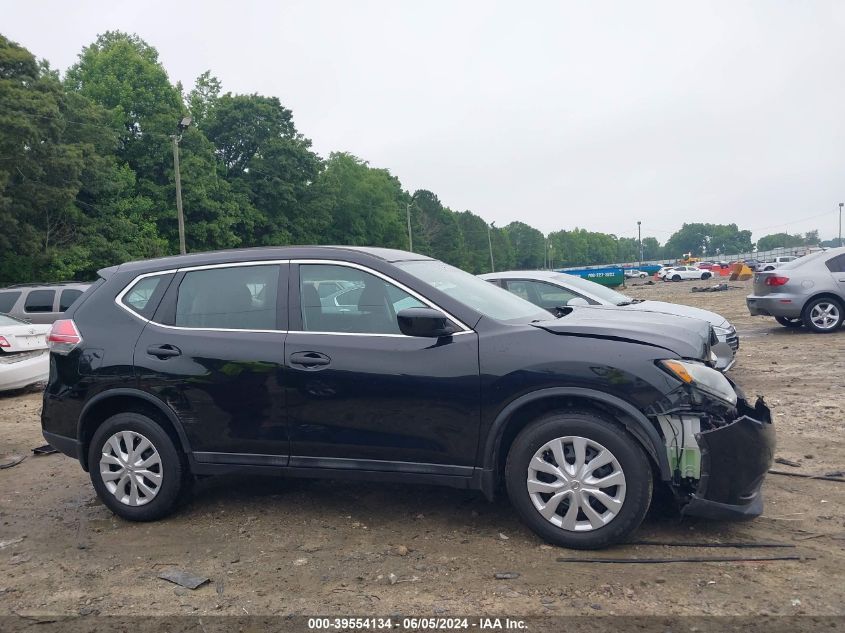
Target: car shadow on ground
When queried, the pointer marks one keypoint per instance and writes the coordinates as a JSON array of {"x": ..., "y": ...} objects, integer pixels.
[{"x": 381, "y": 505}]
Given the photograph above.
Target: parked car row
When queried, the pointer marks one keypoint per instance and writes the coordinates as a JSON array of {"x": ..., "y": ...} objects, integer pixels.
[
  {"x": 26, "y": 312},
  {"x": 391, "y": 366}
]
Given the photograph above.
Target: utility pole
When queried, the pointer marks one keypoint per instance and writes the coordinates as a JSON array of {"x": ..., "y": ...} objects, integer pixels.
[
  {"x": 490, "y": 244},
  {"x": 181, "y": 127},
  {"x": 640, "y": 240},
  {"x": 410, "y": 239},
  {"x": 841, "y": 204}
]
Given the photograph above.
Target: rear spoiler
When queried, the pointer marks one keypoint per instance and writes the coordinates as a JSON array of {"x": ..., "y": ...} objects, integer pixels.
[{"x": 105, "y": 273}]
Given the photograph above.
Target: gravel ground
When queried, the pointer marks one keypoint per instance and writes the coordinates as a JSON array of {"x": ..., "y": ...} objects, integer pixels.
[{"x": 276, "y": 546}]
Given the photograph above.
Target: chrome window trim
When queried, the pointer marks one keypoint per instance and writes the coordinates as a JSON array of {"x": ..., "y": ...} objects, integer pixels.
[{"x": 331, "y": 262}]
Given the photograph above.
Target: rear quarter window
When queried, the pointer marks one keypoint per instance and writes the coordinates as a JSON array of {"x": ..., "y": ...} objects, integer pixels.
[
  {"x": 67, "y": 298},
  {"x": 142, "y": 297},
  {"x": 7, "y": 300},
  {"x": 834, "y": 264}
]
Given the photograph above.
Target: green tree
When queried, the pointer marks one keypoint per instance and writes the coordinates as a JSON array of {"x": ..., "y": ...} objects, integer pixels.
[
  {"x": 777, "y": 240},
  {"x": 360, "y": 204},
  {"x": 436, "y": 230},
  {"x": 529, "y": 246},
  {"x": 706, "y": 239},
  {"x": 477, "y": 248}
]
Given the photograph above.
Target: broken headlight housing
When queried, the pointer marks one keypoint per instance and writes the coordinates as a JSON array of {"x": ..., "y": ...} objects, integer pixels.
[{"x": 702, "y": 378}]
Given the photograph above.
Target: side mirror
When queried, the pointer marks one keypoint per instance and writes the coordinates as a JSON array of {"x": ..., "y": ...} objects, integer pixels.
[
  {"x": 426, "y": 322},
  {"x": 577, "y": 301}
]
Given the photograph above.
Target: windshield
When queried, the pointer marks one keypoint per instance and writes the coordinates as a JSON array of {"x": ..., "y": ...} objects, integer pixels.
[
  {"x": 5, "y": 319},
  {"x": 602, "y": 293},
  {"x": 474, "y": 292}
]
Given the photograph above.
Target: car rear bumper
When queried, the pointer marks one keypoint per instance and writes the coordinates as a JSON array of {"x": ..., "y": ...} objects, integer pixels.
[
  {"x": 20, "y": 374},
  {"x": 67, "y": 445},
  {"x": 777, "y": 305},
  {"x": 734, "y": 461}
]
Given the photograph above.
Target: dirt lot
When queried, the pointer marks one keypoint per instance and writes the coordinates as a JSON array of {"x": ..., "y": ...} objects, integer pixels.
[{"x": 319, "y": 547}]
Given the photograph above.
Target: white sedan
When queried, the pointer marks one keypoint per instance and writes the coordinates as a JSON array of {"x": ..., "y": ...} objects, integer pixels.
[
  {"x": 684, "y": 272},
  {"x": 24, "y": 358}
]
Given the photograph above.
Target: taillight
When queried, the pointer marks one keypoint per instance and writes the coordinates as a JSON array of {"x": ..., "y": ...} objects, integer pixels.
[
  {"x": 776, "y": 281},
  {"x": 63, "y": 337},
  {"x": 4, "y": 342}
]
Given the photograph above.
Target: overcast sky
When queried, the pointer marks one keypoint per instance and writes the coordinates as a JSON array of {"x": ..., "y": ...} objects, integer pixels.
[{"x": 559, "y": 114}]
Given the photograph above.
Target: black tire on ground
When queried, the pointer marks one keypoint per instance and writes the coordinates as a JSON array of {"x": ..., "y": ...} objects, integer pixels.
[
  {"x": 173, "y": 468},
  {"x": 822, "y": 303},
  {"x": 609, "y": 434},
  {"x": 706, "y": 275},
  {"x": 790, "y": 321},
  {"x": 676, "y": 277}
]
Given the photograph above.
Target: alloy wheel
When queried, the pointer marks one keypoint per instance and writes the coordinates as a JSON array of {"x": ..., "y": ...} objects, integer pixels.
[
  {"x": 825, "y": 315},
  {"x": 131, "y": 468},
  {"x": 576, "y": 484}
]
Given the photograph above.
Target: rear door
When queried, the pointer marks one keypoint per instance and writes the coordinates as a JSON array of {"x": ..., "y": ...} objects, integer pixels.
[
  {"x": 363, "y": 395},
  {"x": 214, "y": 351}
]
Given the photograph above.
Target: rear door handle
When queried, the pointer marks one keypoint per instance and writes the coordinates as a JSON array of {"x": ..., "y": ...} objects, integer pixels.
[
  {"x": 309, "y": 360},
  {"x": 163, "y": 351}
]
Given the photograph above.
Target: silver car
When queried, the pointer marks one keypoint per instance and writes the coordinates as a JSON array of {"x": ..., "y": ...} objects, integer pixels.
[
  {"x": 551, "y": 290},
  {"x": 808, "y": 291},
  {"x": 40, "y": 303}
]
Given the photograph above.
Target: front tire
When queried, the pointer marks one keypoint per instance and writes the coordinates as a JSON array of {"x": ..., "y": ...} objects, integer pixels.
[
  {"x": 578, "y": 479},
  {"x": 823, "y": 315},
  {"x": 794, "y": 322},
  {"x": 676, "y": 278},
  {"x": 135, "y": 467}
]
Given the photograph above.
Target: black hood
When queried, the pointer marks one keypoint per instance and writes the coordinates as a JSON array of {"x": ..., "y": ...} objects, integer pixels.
[{"x": 686, "y": 337}]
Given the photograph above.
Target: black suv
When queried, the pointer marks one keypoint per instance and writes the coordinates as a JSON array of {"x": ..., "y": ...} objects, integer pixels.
[{"x": 387, "y": 365}]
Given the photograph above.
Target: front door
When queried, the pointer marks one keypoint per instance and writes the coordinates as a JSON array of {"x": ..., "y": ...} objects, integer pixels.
[
  {"x": 214, "y": 352},
  {"x": 363, "y": 395}
]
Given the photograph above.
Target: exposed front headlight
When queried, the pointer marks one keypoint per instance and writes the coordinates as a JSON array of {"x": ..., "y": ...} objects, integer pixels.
[
  {"x": 701, "y": 377},
  {"x": 721, "y": 332}
]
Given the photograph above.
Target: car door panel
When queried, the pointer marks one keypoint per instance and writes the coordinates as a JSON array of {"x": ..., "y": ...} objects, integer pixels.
[
  {"x": 226, "y": 385},
  {"x": 389, "y": 399}
]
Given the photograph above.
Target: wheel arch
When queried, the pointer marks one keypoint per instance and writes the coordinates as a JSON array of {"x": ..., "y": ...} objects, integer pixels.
[
  {"x": 520, "y": 412},
  {"x": 825, "y": 294},
  {"x": 113, "y": 401}
]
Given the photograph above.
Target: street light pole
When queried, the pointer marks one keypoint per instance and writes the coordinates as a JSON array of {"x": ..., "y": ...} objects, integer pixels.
[
  {"x": 181, "y": 127},
  {"x": 490, "y": 244},
  {"x": 640, "y": 241},
  {"x": 410, "y": 238},
  {"x": 841, "y": 204}
]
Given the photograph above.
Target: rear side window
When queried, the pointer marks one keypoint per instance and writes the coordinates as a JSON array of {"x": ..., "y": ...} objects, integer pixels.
[
  {"x": 836, "y": 264},
  {"x": 40, "y": 301},
  {"x": 233, "y": 298},
  {"x": 7, "y": 300},
  {"x": 67, "y": 298}
]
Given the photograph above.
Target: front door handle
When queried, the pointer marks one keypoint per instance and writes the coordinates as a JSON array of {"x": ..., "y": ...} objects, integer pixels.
[
  {"x": 163, "y": 351},
  {"x": 309, "y": 360}
]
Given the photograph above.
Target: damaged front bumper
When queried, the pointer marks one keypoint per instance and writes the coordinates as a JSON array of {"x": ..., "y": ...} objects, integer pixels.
[
  {"x": 735, "y": 458},
  {"x": 719, "y": 459}
]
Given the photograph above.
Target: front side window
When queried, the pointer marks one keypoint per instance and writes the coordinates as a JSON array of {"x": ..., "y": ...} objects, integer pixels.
[
  {"x": 232, "y": 298},
  {"x": 40, "y": 301},
  {"x": 540, "y": 293},
  {"x": 475, "y": 293},
  {"x": 361, "y": 303},
  {"x": 7, "y": 300}
]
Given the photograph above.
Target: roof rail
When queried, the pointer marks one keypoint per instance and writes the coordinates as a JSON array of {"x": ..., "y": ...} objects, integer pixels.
[{"x": 32, "y": 284}]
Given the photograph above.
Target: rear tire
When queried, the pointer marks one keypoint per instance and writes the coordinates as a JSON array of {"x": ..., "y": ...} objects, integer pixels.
[
  {"x": 823, "y": 315},
  {"x": 602, "y": 515},
  {"x": 793, "y": 322},
  {"x": 135, "y": 467},
  {"x": 706, "y": 275}
]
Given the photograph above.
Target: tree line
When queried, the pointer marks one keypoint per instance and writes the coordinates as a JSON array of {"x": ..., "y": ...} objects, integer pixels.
[{"x": 87, "y": 179}]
